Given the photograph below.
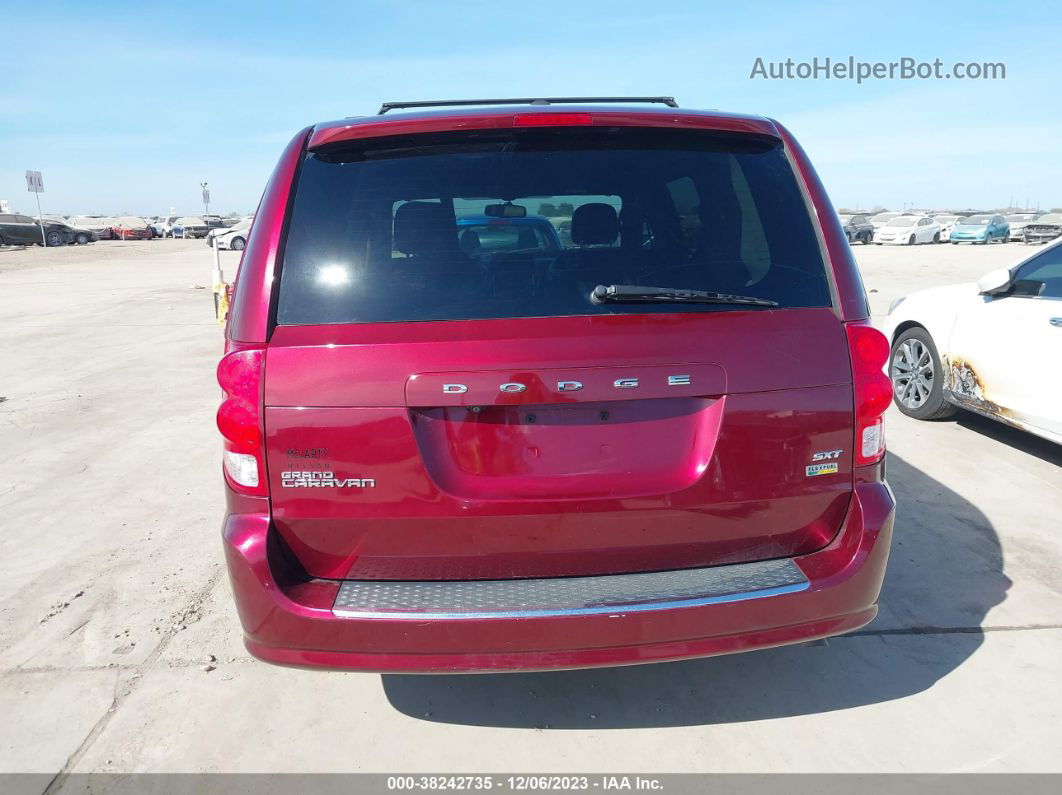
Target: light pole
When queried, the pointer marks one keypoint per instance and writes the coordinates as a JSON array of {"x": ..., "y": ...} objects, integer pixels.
[{"x": 206, "y": 198}]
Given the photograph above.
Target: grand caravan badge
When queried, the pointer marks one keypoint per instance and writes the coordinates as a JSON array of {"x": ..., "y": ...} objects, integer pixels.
[{"x": 322, "y": 479}]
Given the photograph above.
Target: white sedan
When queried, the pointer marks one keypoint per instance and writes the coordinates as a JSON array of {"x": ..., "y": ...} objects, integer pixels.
[
  {"x": 907, "y": 230},
  {"x": 234, "y": 238},
  {"x": 992, "y": 347}
]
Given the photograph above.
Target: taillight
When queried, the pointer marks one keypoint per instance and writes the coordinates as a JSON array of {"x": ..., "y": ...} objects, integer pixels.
[
  {"x": 240, "y": 420},
  {"x": 551, "y": 119},
  {"x": 869, "y": 350}
]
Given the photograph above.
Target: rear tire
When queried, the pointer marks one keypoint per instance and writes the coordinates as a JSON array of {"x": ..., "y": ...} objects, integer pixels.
[
  {"x": 54, "y": 239},
  {"x": 237, "y": 244},
  {"x": 81, "y": 239},
  {"x": 918, "y": 377},
  {"x": 936, "y": 237}
]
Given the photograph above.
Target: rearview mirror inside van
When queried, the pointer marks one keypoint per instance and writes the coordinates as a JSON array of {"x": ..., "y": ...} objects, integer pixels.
[{"x": 507, "y": 210}]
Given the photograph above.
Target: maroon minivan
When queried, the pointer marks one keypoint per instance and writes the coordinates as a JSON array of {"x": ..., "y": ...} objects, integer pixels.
[{"x": 457, "y": 440}]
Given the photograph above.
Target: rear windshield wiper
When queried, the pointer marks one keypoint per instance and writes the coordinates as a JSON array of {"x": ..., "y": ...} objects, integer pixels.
[{"x": 633, "y": 294}]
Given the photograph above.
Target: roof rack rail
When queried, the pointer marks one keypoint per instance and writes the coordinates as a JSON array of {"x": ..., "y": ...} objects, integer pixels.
[{"x": 442, "y": 103}]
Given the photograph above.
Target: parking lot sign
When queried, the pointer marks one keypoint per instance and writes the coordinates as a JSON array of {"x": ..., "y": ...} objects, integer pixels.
[
  {"x": 35, "y": 185},
  {"x": 34, "y": 182}
]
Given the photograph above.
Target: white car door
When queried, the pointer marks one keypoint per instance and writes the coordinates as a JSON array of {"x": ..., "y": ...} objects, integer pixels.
[{"x": 1004, "y": 352}]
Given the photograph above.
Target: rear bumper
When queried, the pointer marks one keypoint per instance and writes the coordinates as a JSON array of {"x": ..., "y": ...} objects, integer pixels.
[{"x": 288, "y": 622}]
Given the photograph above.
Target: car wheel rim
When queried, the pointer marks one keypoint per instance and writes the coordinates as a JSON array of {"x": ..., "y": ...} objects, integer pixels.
[{"x": 912, "y": 374}]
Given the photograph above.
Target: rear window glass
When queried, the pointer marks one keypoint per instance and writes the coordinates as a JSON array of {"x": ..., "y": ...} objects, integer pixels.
[{"x": 526, "y": 223}]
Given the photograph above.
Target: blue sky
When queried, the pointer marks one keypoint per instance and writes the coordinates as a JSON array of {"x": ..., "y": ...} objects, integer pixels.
[{"x": 128, "y": 106}]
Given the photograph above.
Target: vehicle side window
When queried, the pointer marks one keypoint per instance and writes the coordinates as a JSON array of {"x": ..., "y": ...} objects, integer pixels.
[
  {"x": 7, "y": 219},
  {"x": 1042, "y": 276},
  {"x": 23, "y": 219}
]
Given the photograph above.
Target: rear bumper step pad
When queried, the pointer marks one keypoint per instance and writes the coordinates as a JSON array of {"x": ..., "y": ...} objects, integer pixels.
[{"x": 566, "y": 596}]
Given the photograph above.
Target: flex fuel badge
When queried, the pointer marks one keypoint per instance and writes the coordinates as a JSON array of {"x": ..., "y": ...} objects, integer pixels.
[{"x": 820, "y": 469}]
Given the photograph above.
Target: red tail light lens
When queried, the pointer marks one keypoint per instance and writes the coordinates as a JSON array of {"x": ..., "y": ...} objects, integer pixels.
[
  {"x": 240, "y": 420},
  {"x": 551, "y": 119},
  {"x": 869, "y": 351},
  {"x": 240, "y": 373}
]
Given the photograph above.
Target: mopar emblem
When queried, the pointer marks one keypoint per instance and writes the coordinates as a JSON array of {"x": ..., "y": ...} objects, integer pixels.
[
  {"x": 513, "y": 387},
  {"x": 454, "y": 389},
  {"x": 569, "y": 386},
  {"x": 625, "y": 383}
]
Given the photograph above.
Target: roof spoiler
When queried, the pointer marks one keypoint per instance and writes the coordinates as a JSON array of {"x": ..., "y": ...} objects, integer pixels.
[{"x": 442, "y": 103}]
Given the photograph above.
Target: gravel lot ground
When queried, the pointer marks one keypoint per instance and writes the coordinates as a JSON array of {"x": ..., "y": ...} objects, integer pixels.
[{"x": 114, "y": 601}]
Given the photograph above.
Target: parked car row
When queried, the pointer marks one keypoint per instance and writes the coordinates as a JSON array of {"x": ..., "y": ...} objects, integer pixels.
[
  {"x": 22, "y": 230},
  {"x": 17, "y": 229},
  {"x": 908, "y": 229}
]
